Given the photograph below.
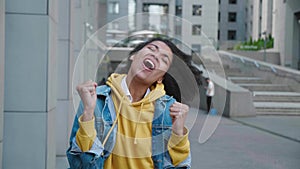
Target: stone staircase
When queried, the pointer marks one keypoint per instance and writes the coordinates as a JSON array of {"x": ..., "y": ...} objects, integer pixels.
[
  {"x": 269, "y": 98},
  {"x": 280, "y": 103}
]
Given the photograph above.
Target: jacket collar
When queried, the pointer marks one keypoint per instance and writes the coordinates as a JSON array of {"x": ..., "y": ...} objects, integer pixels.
[{"x": 103, "y": 90}]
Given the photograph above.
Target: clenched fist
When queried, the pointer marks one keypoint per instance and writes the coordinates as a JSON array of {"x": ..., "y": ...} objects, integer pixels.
[
  {"x": 178, "y": 112},
  {"x": 87, "y": 93}
]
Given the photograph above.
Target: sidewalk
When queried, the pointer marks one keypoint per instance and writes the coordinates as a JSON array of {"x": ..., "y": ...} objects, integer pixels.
[{"x": 262, "y": 142}]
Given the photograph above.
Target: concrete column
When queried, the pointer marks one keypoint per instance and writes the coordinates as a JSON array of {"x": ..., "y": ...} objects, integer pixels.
[
  {"x": 279, "y": 29},
  {"x": 266, "y": 23},
  {"x": 65, "y": 68},
  {"x": 256, "y": 27},
  {"x": 2, "y": 34},
  {"x": 30, "y": 84}
]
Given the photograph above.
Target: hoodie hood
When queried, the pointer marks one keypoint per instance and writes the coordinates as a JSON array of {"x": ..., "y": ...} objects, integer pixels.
[
  {"x": 134, "y": 119},
  {"x": 114, "y": 81}
]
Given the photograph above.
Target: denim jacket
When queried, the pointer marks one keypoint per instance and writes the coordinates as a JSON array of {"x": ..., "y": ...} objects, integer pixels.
[{"x": 104, "y": 117}]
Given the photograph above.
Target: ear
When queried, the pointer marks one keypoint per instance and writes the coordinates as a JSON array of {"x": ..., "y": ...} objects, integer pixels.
[
  {"x": 160, "y": 80},
  {"x": 131, "y": 57}
]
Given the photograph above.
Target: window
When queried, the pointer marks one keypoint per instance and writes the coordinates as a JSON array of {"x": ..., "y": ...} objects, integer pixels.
[
  {"x": 231, "y": 34},
  {"x": 178, "y": 10},
  {"x": 232, "y": 1},
  {"x": 146, "y": 8},
  {"x": 197, "y": 10},
  {"x": 156, "y": 8},
  {"x": 232, "y": 17},
  {"x": 196, "y": 30},
  {"x": 219, "y": 17},
  {"x": 113, "y": 7},
  {"x": 218, "y": 34}
]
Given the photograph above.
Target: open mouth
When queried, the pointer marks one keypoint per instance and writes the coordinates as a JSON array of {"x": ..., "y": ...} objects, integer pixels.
[{"x": 149, "y": 64}]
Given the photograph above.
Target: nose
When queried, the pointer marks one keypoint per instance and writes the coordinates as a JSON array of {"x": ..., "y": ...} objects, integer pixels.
[{"x": 155, "y": 57}]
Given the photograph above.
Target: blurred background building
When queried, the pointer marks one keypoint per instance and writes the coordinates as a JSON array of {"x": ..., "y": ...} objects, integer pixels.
[
  {"x": 232, "y": 25},
  {"x": 41, "y": 40}
]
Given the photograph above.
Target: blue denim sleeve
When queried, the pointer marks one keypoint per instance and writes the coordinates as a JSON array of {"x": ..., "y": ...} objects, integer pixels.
[
  {"x": 186, "y": 164},
  {"x": 77, "y": 158}
]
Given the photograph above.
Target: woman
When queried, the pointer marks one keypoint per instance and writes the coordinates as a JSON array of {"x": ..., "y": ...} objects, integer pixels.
[{"x": 133, "y": 123}]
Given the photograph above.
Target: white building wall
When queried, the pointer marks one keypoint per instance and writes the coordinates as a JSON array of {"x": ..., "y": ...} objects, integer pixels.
[
  {"x": 208, "y": 21},
  {"x": 278, "y": 29},
  {"x": 122, "y": 24},
  {"x": 291, "y": 41},
  {"x": 30, "y": 84},
  {"x": 256, "y": 20},
  {"x": 144, "y": 18},
  {"x": 239, "y": 25},
  {"x": 65, "y": 61},
  {"x": 266, "y": 22},
  {"x": 249, "y": 19},
  {"x": 286, "y": 32}
]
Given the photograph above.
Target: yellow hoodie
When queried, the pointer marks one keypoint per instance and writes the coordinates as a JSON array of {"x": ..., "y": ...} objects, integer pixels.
[{"x": 133, "y": 143}]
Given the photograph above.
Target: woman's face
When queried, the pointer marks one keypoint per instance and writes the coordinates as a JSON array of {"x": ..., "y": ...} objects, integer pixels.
[{"x": 151, "y": 62}]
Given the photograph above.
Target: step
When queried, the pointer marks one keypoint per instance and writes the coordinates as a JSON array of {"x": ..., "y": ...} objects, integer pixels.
[
  {"x": 233, "y": 69},
  {"x": 277, "y": 108},
  {"x": 277, "y": 105},
  {"x": 244, "y": 78},
  {"x": 267, "y": 87},
  {"x": 215, "y": 68},
  {"x": 276, "y": 97},
  {"x": 267, "y": 93},
  {"x": 277, "y": 112},
  {"x": 252, "y": 81},
  {"x": 238, "y": 74}
]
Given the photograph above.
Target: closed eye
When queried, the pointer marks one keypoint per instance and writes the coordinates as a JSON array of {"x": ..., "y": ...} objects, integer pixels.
[
  {"x": 165, "y": 60},
  {"x": 151, "y": 48}
]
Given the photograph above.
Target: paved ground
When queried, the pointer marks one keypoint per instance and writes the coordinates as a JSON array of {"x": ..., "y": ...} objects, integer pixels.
[
  {"x": 262, "y": 142},
  {"x": 258, "y": 142}
]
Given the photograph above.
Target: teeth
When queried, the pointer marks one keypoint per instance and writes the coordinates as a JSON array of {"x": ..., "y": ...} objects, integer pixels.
[{"x": 149, "y": 64}]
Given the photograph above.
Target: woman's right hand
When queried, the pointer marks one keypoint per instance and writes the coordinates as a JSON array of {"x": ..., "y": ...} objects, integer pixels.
[{"x": 87, "y": 93}]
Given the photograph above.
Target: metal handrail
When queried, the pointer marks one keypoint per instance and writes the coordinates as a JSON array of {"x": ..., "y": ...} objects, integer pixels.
[{"x": 289, "y": 73}]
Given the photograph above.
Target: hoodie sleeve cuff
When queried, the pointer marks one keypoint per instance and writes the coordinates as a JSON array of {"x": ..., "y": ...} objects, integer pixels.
[
  {"x": 179, "y": 147},
  {"x": 177, "y": 140},
  {"x": 86, "y": 134}
]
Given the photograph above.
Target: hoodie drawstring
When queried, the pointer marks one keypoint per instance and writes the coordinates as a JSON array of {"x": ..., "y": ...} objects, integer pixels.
[
  {"x": 135, "y": 132},
  {"x": 115, "y": 122}
]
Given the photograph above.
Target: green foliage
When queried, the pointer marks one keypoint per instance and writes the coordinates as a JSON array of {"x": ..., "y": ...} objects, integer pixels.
[{"x": 255, "y": 45}]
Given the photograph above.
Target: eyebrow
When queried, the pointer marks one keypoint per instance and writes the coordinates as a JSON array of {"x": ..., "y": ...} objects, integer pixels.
[{"x": 165, "y": 55}]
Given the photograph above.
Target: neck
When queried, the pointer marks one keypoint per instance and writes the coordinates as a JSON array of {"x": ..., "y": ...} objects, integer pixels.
[{"x": 136, "y": 89}]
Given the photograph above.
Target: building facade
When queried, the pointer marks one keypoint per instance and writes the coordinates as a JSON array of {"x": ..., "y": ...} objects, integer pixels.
[
  {"x": 286, "y": 32},
  {"x": 203, "y": 27},
  {"x": 39, "y": 46},
  {"x": 261, "y": 14},
  {"x": 232, "y": 18},
  {"x": 280, "y": 19},
  {"x": 29, "y": 83},
  {"x": 241, "y": 20},
  {"x": 188, "y": 21}
]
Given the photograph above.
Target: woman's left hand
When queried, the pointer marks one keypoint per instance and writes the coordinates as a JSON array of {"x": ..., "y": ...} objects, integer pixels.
[{"x": 178, "y": 112}]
